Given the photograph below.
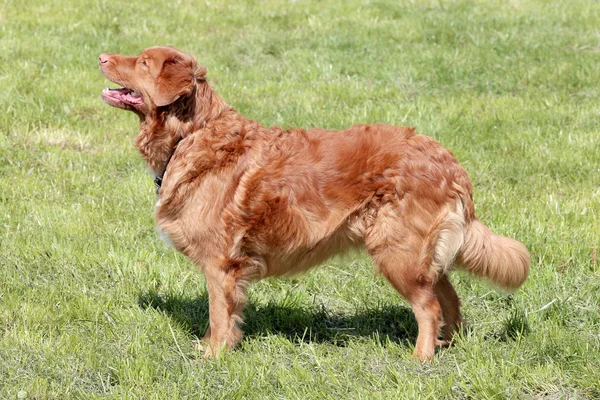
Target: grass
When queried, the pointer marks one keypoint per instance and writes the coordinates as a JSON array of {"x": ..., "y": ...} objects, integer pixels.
[{"x": 93, "y": 305}]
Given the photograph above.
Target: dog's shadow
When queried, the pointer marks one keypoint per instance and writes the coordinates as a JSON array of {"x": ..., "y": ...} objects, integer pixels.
[{"x": 295, "y": 320}]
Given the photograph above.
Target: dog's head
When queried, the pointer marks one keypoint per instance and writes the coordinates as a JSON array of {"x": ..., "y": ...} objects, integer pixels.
[{"x": 155, "y": 78}]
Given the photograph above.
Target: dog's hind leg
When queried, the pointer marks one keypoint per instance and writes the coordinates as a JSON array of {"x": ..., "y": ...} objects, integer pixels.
[
  {"x": 402, "y": 265},
  {"x": 411, "y": 281},
  {"x": 414, "y": 253},
  {"x": 450, "y": 306}
]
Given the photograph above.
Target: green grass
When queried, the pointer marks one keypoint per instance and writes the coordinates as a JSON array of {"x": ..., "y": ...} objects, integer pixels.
[{"x": 93, "y": 305}]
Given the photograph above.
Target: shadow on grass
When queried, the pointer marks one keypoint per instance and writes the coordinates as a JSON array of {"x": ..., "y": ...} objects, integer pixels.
[
  {"x": 514, "y": 327},
  {"x": 294, "y": 319}
]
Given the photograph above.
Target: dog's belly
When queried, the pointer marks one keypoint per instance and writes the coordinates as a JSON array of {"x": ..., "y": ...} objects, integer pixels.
[{"x": 288, "y": 262}]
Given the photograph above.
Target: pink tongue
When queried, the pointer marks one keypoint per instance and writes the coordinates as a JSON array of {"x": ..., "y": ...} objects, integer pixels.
[{"x": 125, "y": 95}]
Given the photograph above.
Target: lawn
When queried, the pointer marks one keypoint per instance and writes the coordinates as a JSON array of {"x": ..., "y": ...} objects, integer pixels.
[{"x": 93, "y": 305}]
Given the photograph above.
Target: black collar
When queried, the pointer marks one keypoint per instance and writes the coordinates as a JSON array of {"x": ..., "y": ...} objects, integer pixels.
[{"x": 159, "y": 178}]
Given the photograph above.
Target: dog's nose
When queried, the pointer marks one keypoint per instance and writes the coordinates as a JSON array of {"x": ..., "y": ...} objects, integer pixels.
[{"x": 103, "y": 59}]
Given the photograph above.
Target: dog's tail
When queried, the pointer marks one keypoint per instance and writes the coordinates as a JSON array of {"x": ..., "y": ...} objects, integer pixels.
[{"x": 500, "y": 259}]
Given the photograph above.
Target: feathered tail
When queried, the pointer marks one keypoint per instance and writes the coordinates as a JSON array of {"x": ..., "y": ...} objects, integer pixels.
[{"x": 503, "y": 260}]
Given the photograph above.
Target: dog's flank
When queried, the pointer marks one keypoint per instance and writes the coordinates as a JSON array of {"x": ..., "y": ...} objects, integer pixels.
[{"x": 243, "y": 201}]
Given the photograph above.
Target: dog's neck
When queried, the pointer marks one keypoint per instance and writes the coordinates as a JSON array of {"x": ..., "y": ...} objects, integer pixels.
[{"x": 162, "y": 129}]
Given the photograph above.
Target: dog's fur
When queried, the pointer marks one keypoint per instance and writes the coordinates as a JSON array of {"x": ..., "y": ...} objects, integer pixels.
[{"x": 244, "y": 202}]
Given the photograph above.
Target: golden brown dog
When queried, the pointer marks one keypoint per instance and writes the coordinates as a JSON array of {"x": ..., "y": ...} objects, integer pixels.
[{"x": 244, "y": 202}]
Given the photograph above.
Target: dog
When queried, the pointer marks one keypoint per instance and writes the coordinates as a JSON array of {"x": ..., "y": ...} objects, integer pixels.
[{"x": 245, "y": 202}]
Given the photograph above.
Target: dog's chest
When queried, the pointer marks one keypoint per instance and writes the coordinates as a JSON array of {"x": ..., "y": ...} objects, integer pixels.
[
  {"x": 195, "y": 225},
  {"x": 163, "y": 234}
]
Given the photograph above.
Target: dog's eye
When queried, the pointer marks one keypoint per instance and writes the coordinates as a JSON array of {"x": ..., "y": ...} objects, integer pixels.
[{"x": 144, "y": 63}]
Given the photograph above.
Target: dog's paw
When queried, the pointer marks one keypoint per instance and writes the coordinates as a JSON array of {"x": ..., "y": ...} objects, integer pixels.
[
  {"x": 425, "y": 356},
  {"x": 208, "y": 351},
  {"x": 200, "y": 345}
]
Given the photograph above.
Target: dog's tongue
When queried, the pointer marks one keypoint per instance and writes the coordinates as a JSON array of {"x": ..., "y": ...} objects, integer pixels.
[{"x": 123, "y": 94}]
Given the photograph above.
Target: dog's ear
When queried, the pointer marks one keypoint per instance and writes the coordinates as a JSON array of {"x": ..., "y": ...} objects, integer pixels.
[{"x": 176, "y": 79}]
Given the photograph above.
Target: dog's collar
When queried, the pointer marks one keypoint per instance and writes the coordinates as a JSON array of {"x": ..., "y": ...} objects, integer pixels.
[{"x": 159, "y": 178}]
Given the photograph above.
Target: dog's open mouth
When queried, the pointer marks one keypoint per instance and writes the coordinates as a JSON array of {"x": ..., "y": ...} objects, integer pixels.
[{"x": 122, "y": 97}]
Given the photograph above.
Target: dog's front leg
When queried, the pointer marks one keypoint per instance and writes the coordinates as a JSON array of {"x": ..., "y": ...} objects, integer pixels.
[{"x": 226, "y": 299}]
